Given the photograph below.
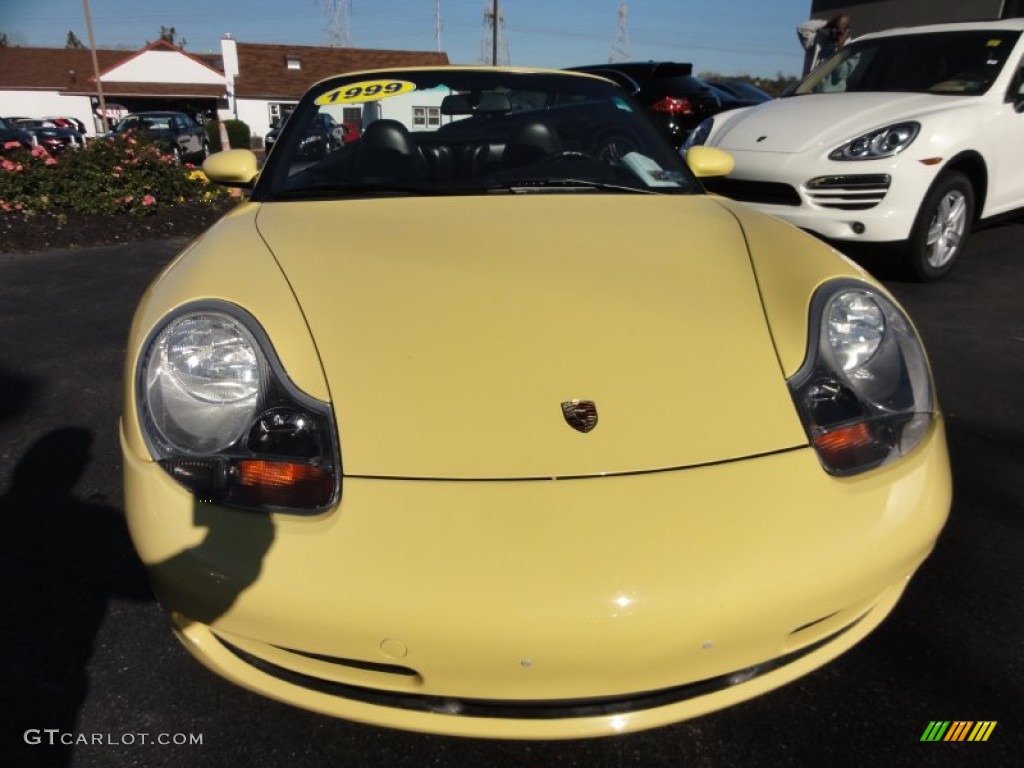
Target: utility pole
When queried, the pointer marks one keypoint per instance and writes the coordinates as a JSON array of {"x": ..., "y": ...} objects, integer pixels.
[
  {"x": 620, "y": 47},
  {"x": 437, "y": 24},
  {"x": 95, "y": 66},
  {"x": 494, "y": 36}
]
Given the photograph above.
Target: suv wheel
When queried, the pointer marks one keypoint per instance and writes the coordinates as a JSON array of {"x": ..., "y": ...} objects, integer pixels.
[{"x": 941, "y": 227}]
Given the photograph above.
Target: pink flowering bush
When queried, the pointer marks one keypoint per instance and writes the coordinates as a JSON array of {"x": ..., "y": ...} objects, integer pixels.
[{"x": 106, "y": 177}]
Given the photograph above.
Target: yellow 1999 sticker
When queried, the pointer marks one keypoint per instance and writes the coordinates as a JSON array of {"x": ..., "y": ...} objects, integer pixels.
[{"x": 367, "y": 90}]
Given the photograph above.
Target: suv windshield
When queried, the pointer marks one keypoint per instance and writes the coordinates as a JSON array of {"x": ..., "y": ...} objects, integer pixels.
[
  {"x": 482, "y": 131},
  {"x": 963, "y": 62}
]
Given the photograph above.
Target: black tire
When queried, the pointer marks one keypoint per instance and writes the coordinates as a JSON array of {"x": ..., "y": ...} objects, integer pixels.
[{"x": 941, "y": 228}]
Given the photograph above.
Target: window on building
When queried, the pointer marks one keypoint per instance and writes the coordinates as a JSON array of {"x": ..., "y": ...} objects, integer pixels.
[
  {"x": 426, "y": 117},
  {"x": 353, "y": 115}
]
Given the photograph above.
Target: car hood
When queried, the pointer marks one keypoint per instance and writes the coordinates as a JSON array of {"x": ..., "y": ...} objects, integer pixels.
[
  {"x": 822, "y": 121},
  {"x": 451, "y": 330}
]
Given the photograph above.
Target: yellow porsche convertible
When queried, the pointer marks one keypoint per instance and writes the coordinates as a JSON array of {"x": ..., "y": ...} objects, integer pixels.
[{"x": 493, "y": 423}]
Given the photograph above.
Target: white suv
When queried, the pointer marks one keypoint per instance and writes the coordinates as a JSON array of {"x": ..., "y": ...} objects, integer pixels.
[{"x": 910, "y": 135}]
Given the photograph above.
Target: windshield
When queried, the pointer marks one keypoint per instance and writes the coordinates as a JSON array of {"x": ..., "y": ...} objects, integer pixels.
[
  {"x": 963, "y": 62},
  {"x": 468, "y": 131},
  {"x": 139, "y": 123}
]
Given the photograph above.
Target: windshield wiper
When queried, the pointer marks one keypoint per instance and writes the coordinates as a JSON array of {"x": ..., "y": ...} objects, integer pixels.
[
  {"x": 388, "y": 189},
  {"x": 528, "y": 186},
  {"x": 519, "y": 186}
]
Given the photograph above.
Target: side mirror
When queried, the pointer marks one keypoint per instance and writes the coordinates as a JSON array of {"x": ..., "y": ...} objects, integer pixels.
[
  {"x": 232, "y": 168},
  {"x": 707, "y": 162}
]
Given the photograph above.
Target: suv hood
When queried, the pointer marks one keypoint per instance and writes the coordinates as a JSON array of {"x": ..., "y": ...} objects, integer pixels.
[
  {"x": 822, "y": 121},
  {"x": 451, "y": 330}
]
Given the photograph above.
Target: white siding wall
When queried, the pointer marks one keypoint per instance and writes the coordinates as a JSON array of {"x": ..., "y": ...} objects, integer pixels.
[
  {"x": 47, "y": 104},
  {"x": 163, "y": 67},
  {"x": 256, "y": 114},
  {"x": 400, "y": 107}
]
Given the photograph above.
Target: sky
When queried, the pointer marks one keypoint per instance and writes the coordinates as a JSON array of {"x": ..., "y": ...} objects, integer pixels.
[{"x": 728, "y": 37}]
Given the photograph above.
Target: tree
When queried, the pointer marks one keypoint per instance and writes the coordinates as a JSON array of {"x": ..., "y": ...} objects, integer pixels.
[
  {"x": 3, "y": 39},
  {"x": 73, "y": 42},
  {"x": 169, "y": 34}
]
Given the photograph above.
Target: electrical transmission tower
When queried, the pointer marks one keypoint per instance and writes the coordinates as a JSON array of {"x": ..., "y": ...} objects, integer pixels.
[
  {"x": 494, "y": 45},
  {"x": 620, "y": 46},
  {"x": 337, "y": 15}
]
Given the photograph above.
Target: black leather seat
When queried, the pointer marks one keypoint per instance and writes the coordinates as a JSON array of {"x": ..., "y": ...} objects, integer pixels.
[
  {"x": 530, "y": 143},
  {"x": 387, "y": 152}
]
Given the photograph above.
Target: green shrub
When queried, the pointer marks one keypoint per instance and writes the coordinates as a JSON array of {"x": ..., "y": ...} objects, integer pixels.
[
  {"x": 239, "y": 134},
  {"x": 105, "y": 177}
]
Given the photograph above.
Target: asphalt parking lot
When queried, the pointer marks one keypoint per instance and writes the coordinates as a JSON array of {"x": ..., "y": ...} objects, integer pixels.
[{"x": 88, "y": 657}]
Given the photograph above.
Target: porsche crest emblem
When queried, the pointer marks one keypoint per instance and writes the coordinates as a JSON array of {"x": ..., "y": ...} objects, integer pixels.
[{"x": 581, "y": 415}]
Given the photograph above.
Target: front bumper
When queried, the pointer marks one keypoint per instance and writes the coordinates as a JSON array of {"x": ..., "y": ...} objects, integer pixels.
[
  {"x": 833, "y": 213},
  {"x": 542, "y": 609}
]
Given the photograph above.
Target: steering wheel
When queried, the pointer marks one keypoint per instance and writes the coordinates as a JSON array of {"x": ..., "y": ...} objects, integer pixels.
[{"x": 613, "y": 147}]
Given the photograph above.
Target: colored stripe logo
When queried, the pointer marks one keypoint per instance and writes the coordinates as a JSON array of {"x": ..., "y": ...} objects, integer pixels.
[{"x": 958, "y": 730}]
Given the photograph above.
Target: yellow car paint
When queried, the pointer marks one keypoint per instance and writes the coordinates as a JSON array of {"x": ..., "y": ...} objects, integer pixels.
[
  {"x": 534, "y": 590},
  {"x": 472, "y": 356}
]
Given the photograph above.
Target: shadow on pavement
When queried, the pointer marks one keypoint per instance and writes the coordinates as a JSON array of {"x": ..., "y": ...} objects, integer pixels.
[{"x": 61, "y": 562}]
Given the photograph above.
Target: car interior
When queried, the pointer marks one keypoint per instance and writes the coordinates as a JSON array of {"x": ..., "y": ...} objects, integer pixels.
[{"x": 491, "y": 136}]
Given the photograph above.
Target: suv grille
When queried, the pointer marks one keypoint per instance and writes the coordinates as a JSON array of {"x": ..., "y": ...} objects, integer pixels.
[
  {"x": 848, "y": 193},
  {"x": 767, "y": 192}
]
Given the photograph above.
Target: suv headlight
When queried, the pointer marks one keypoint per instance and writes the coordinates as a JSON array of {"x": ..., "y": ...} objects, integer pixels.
[
  {"x": 884, "y": 142},
  {"x": 700, "y": 134},
  {"x": 864, "y": 391},
  {"x": 222, "y": 418}
]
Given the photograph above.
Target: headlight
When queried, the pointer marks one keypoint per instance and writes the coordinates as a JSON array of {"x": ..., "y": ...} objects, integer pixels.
[
  {"x": 203, "y": 379},
  {"x": 885, "y": 142},
  {"x": 700, "y": 134},
  {"x": 221, "y": 417},
  {"x": 864, "y": 391}
]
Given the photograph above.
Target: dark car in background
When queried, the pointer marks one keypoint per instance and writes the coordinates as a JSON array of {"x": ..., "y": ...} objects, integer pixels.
[
  {"x": 323, "y": 135},
  {"x": 11, "y": 133},
  {"x": 50, "y": 135},
  {"x": 676, "y": 100},
  {"x": 734, "y": 94},
  {"x": 67, "y": 122},
  {"x": 275, "y": 130},
  {"x": 177, "y": 132}
]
